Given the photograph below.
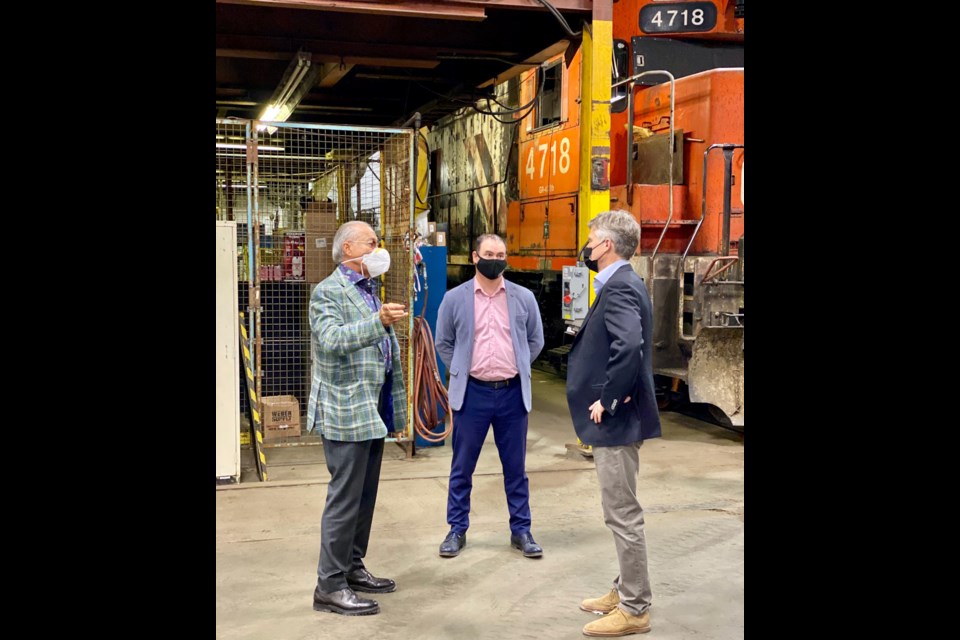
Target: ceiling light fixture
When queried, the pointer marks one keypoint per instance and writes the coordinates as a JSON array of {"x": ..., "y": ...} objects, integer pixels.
[
  {"x": 261, "y": 147},
  {"x": 223, "y": 185},
  {"x": 297, "y": 80}
]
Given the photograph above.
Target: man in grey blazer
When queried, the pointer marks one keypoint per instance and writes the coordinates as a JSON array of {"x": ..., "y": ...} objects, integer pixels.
[
  {"x": 614, "y": 409},
  {"x": 488, "y": 334},
  {"x": 357, "y": 396}
]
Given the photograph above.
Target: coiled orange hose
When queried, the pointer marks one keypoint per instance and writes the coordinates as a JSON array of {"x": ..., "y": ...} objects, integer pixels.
[{"x": 428, "y": 389}]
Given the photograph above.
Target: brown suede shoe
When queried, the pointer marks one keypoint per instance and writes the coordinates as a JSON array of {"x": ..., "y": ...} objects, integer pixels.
[
  {"x": 618, "y": 623},
  {"x": 603, "y": 605}
]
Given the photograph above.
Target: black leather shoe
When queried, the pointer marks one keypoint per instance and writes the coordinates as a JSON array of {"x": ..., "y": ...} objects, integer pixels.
[
  {"x": 344, "y": 602},
  {"x": 526, "y": 543},
  {"x": 363, "y": 580},
  {"x": 452, "y": 544}
]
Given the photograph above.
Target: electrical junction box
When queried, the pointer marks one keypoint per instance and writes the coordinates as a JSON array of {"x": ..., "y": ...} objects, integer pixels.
[{"x": 575, "y": 298}]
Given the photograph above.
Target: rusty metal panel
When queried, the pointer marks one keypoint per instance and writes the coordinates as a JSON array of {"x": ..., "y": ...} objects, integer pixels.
[
  {"x": 513, "y": 228},
  {"x": 471, "y": 183},
  {"x": 715, "y": 373},
  {"x": 666, "y": 348},
  {"x": 651, "y": 164},
  {"x": 532, "y": 217}
]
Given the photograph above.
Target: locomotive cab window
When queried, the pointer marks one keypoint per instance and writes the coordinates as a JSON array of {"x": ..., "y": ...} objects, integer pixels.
[
  {"x": 620, "y": 70},
  {"x": 549, "y": 100}
]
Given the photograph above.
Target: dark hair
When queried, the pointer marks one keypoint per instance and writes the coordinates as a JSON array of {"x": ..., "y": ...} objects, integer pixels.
[{"x": 487, "y": 236}]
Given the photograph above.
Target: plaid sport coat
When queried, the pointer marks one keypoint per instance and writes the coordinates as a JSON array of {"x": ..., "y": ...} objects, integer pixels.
[{"x": 349, "y": 366}]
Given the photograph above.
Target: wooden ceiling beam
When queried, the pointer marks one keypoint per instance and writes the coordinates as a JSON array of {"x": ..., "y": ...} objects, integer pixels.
[
  {"x": 438, "y": 9},
  {"x": 332, "y": 73},
  {"x": 324, "y": 57}
]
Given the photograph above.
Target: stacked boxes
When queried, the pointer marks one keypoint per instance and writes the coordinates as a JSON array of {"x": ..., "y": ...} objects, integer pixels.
[
  {"x": 320, "y": 223},
  {"x": 437, "y": 234}
]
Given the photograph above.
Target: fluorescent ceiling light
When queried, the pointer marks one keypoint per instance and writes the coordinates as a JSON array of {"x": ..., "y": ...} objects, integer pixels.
[
  {"x": 297, "y": 80},
  {"x": 265, "y": 156},
  {"x": 261, "y": 147}
]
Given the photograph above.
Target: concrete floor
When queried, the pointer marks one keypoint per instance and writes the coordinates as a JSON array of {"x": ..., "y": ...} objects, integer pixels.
[{"x": 691, "y": 488}]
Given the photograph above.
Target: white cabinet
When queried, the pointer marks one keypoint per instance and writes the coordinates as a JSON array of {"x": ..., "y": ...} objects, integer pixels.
[{"x": 228, "y": 354}]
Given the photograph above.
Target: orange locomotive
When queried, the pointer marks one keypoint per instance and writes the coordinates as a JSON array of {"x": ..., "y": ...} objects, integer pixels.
[{"x": 676, "y": 165}]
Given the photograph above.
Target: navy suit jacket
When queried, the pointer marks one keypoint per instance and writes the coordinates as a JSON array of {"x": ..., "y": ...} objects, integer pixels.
[{"x": 610, "y": 360}]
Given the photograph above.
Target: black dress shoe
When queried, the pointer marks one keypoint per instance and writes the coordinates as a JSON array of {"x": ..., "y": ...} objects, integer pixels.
[
  {"x": 363, "y": 580},
  {"x": 526, "y": 543},
  {"x": 345, "y": 602},
  {"x": 452, "y": 544}
]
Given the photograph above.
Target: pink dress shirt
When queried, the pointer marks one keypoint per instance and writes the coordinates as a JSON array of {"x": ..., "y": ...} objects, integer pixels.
[{"x": 493, "y": 357}]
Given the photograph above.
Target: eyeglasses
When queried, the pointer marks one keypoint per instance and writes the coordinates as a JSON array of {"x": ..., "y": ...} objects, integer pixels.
[{"x": 370, "y": 243}]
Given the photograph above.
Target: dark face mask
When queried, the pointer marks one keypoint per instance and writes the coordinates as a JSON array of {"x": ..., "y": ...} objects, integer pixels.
[
  {"x": 585, "y": 255},
  {"x": 491, "y": 268}
]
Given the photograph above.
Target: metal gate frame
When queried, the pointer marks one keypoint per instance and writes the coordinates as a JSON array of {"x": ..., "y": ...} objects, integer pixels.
[{"x": 390, "y": 235}]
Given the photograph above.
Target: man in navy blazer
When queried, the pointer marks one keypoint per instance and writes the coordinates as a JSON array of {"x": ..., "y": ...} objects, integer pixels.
[
  {"x": 614, "y": 409},
  {"x": 488, "y": 334}
]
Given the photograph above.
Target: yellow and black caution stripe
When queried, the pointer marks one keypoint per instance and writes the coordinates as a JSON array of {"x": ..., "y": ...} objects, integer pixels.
[{"x": 256, "y": 426}]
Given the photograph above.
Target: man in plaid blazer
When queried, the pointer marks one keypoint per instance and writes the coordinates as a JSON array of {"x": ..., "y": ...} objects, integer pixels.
[{"x": 356, "y": 398}]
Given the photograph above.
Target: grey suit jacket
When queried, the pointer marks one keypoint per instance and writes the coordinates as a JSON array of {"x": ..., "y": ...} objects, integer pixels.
[{"x": 454, "y": 339}]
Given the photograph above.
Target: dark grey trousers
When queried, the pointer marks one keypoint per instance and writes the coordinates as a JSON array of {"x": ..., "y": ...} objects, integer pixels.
[{"x": 348, "y": 514}]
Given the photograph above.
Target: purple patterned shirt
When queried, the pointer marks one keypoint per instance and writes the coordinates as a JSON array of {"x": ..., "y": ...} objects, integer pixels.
[{"x": 365, "y": 288}]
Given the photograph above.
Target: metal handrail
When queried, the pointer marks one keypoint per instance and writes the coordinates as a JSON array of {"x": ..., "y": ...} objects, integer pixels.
[
  {"x": 631, "y": 80},
  {"x": 703, "y": 203},
  {"x": 703, "y": 213},
  {"x": 734, "y": 260}
]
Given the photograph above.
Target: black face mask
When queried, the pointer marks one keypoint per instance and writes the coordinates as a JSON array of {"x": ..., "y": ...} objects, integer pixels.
[
  {"x": 491, "y": 268},
  {"x": 585, "y": 253}
]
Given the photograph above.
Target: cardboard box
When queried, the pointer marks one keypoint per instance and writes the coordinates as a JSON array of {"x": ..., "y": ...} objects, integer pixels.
[
  {"x": 438, "y": 239},
  {"x": 320, "y": 218},
  {"x": 281, "y": 417},
  {"x": 318, "y": 256},
  {"x": 431, "y": 228}
]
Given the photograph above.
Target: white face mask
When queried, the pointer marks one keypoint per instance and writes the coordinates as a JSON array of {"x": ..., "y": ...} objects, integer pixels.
[{"x": 377, "y": 262}]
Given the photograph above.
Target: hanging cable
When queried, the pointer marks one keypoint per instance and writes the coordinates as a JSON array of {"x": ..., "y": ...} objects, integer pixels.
[
  {"x": 494, "y": 114},
  {"x": 563, "y": 21},
  {"x": 467, "y": 103},
  {"x": 532, "y": 104},
  {"x": 428, "y": 389}
]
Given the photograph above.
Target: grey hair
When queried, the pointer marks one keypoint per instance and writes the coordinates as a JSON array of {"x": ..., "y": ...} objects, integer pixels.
[
  {"x": 487, "y": 236},
  {"x": 619, "y": 227},
  {"x": 348, "y": 231}
]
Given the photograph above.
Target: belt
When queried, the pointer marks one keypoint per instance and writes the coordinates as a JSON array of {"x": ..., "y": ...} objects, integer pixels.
[{"x": 496, "y": 384}]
